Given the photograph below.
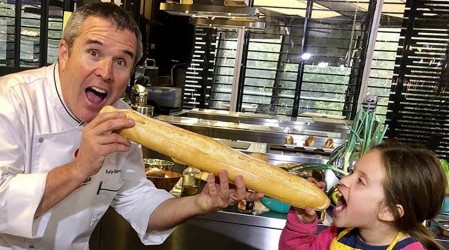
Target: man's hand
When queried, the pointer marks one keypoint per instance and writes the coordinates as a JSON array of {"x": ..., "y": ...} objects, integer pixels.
[
  {"x": 98, "y": 140},
  {"x": 216, "y": 196}
]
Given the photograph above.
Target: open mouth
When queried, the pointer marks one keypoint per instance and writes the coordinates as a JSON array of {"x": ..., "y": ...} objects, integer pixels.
[
  {"x": 341, "y": 204},
  {"x": 96, "y": 95}
]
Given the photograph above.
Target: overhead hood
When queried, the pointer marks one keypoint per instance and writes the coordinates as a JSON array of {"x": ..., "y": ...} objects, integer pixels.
[{"x": 218, "y": 16}]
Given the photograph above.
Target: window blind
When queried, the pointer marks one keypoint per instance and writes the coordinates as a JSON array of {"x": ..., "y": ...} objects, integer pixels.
[
  {"x": 199, "y": 73},
  {"x": 417, "y": 109},
  {"x": 385, "y": 52},
  {"x": 309, "y": 61}
]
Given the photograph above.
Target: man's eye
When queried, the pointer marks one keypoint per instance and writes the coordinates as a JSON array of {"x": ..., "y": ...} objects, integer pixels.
[
  {"x": 93, "y": 52},
  {"x": 121, "y": 62}
]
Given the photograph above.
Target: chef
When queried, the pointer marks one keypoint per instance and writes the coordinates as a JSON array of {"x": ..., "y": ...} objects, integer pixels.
[{"x": 62, "y": 165}]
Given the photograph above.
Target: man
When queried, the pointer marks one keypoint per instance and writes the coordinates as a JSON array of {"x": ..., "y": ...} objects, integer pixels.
[{"x": 61, "y": 164}]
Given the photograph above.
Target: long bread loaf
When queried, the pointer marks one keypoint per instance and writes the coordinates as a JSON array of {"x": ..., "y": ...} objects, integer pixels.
[{"x": 212, "y": 156}]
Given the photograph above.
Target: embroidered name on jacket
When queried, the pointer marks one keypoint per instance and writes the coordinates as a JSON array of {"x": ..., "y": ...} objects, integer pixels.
[{"x": 113, "y": 171}]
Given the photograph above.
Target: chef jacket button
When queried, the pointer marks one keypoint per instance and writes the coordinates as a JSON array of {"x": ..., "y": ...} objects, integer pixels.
[{"x": 41, "y": 140}]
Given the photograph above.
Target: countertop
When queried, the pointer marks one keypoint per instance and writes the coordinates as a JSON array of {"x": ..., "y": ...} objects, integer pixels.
[{"x": 223, "y": 230}]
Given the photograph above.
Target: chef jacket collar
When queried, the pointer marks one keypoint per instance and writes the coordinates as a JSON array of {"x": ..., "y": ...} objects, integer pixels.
[{"x": 59, "y": 103}]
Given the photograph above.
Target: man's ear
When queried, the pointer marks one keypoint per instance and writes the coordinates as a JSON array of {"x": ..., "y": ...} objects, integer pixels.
[
  {"x": 63, "y": 54},
  {"x": 386, "y": 214}
]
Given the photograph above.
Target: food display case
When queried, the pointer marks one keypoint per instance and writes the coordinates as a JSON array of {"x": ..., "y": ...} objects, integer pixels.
[{"x": 266, "y": 134}]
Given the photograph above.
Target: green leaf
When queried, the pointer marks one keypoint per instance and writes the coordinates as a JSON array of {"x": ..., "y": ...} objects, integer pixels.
[
  {"x": 445, "y": 166},
  {"x": 367, "y": 131}
]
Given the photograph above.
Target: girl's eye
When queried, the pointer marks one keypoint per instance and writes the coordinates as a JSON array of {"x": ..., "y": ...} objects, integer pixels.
[{"x": 360, "y": 180}]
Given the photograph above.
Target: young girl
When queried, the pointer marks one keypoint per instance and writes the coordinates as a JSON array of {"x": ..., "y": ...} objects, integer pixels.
[{"x": 383, "y": 204}]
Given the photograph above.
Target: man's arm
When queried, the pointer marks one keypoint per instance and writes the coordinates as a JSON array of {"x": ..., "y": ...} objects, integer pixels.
[
  {"x": 213, "y": 198},
  {"x": 98, "y": 140}
]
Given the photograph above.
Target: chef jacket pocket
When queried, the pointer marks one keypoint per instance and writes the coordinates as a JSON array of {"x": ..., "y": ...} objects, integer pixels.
[{"x": 52, "y": 150}]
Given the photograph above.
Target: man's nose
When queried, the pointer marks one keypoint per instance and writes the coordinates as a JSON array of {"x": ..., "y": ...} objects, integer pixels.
[{"x": 105, "y": 69}]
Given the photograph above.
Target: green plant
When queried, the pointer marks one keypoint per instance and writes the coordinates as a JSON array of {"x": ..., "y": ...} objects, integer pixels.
[
  {"x": 366, "y": 131},
  {"x": 445, "y": 166}
]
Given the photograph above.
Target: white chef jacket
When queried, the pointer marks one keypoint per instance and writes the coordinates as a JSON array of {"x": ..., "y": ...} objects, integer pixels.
[{"x": 37, "y": 134}]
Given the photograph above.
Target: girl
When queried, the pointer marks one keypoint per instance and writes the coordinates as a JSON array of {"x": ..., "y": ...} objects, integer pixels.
[{"x": 383, "y": 204}]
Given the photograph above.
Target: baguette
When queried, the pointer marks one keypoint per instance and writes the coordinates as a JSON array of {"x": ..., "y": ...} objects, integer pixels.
[{"x": 212, "y": 156}]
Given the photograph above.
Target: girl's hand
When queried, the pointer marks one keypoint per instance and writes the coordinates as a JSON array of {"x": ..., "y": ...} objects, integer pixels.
[{"x": 307, "y": 214}]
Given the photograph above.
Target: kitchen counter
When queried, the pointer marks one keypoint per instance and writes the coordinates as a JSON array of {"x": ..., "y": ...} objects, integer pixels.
[{"x": 223, "y": 230}]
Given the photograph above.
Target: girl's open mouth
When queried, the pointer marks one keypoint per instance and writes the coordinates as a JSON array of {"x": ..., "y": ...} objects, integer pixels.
[{"x": 340, "y": 206}]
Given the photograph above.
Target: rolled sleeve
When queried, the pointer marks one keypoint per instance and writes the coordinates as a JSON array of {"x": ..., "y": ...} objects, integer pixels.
[
  {"x": 137, "y": 213},
  {"x": 140, "y": 223},
  {"x": 23, "y": 195},
  {"x": 138, "y": 197}
]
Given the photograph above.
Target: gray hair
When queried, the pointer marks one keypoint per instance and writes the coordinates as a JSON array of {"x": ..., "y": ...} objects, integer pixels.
[{"x": 109, "y": 11}]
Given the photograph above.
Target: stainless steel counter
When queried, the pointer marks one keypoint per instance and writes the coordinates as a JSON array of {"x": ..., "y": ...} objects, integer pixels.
[{"x": 223, "y": 230}]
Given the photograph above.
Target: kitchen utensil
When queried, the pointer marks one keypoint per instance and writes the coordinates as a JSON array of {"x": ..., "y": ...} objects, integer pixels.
[
  {"x": 190, "y": 182},
  {"x": 275, "y": 205}
]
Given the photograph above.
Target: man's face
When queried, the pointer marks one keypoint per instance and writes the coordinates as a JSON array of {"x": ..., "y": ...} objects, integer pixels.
[{"x": 96, "y": 71}]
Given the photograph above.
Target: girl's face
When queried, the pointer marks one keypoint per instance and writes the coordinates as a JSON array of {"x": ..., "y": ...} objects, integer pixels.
[{"x": 362, "y": 193}]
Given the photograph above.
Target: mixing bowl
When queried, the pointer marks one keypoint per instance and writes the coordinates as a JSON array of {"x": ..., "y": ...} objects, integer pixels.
[{"x": 167, "y": 182}]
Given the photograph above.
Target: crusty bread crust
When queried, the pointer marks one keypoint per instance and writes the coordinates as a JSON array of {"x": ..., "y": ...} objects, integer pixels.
[
  {"x": 212, "y": 156},
  {"x": 310, "y": 141},
  {"x": 329, "y": 143}
]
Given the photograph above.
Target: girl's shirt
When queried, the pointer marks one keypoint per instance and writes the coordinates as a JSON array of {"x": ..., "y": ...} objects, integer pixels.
[{"x": 297, "y": 235}]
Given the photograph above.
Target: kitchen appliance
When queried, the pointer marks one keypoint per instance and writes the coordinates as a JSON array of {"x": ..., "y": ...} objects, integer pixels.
[
  {"x": 147, "y": 73},
  {"x": 165, "y": 99},
  {"x": 138, "y": 95},
  {"x": 441, "y": 224},
  {"x": 219, "y": 14},
  {"x": 138, "y": 100}
]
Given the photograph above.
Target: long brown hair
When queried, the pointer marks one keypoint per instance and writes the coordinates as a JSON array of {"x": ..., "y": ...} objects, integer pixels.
[{"x": 414, "y": 179}]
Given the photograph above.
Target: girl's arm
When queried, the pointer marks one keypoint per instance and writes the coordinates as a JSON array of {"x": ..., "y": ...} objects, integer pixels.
[{"x": 299, "y": 235}]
